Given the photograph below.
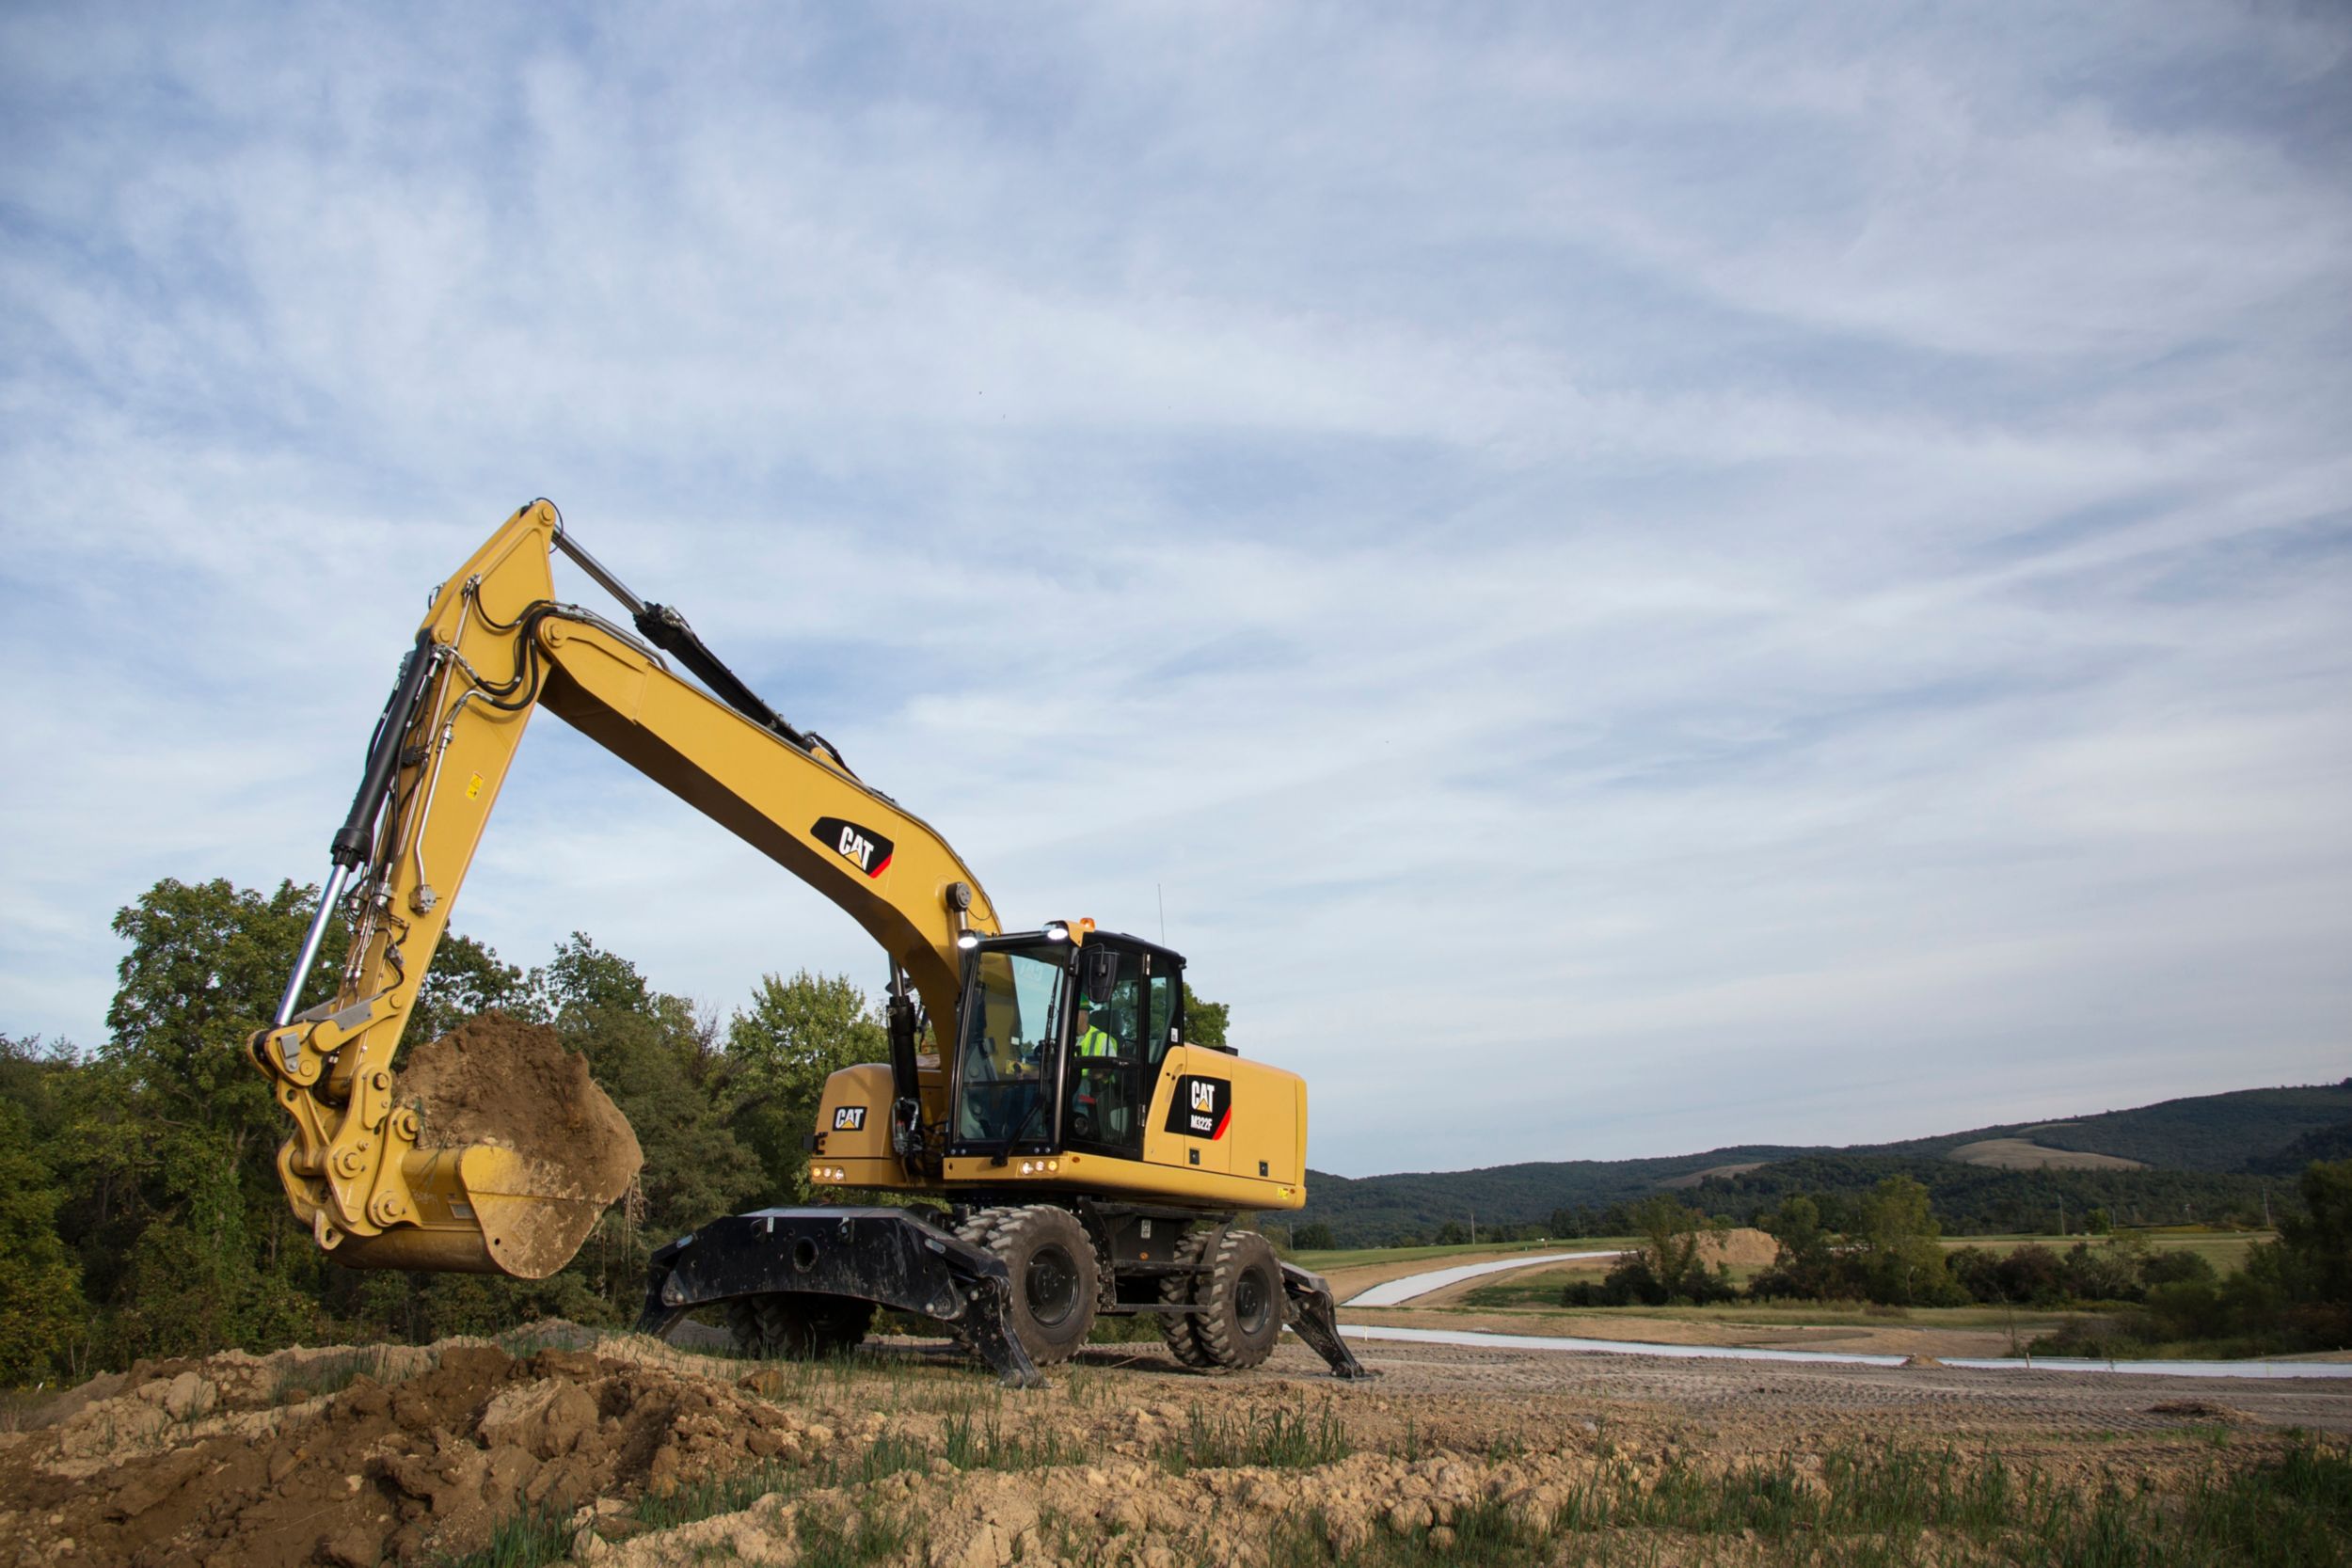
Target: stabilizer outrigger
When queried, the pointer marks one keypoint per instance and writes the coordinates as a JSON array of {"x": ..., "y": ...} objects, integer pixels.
[{"x": 888, "y": 1257}]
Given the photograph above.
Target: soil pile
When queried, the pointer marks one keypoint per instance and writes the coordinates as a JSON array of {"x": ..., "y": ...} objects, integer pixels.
[
  {"x": 1743, "y": 1248},
  {"x": 496, "y": 1079},
  {"x": 617, "y": 1451},
  {"x": 203, "y": 1463}
]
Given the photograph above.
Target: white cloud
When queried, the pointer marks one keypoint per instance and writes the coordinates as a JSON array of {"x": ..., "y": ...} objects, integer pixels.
[{"x": 1800, "y": 555}]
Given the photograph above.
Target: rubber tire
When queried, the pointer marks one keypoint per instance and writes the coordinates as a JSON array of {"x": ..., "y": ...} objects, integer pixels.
[
  {"x": 798, "y": 1327},
  {"x": 1025, "y": 1238},
  {"x": 1246, "y": 1304},
  {"x": 1176, "y": 1328}
]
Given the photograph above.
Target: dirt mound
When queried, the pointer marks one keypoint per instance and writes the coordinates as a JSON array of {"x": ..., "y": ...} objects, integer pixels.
[
  {"x": 1743, "y": 1248},
  {"x": 619, "y": 1451},
  {"x": 427, "y": 1463},
  {"x": 2200, "y": 1410}
]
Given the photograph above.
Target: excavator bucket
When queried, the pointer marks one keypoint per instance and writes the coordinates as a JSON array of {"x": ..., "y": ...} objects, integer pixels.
[{"x": 518, "y": 1152}]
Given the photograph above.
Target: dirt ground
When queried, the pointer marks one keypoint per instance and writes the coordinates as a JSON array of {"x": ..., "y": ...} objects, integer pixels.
[{"x": 623, "y": 1450}]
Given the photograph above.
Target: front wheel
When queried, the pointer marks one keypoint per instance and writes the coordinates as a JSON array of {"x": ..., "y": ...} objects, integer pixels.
[
  {"x": 1053, "y": 1277},
  {"x": 1243, "y": 1303}
]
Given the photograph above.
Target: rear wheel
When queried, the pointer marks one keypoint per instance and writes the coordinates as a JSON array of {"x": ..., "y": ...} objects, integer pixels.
[
  {"x": 1243, "y": 1302},
  {"x": 1176, "y": 1290},
  {"x": 798, "y": 1327},
  {"x": 1054, "y": 1273}
]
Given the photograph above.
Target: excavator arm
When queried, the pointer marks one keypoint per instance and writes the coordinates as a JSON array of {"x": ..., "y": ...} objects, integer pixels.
[{"x": 494, "y": 647}]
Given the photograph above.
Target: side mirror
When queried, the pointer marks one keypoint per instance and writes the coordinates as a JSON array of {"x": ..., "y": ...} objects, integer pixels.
[{"x": 1101, "y": 974}]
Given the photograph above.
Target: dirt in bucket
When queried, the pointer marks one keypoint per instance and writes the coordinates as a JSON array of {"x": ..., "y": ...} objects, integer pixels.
[{"x": 498, "y": 1079}]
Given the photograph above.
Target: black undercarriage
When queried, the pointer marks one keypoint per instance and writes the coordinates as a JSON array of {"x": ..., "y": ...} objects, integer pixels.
[{"x": 1002, "y": 1270}]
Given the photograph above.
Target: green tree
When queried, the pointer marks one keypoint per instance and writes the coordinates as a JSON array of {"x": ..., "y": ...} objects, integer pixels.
[
  {"x": 583, "y": 978},
  {"x": 1806, "y": 1263},
  {"x": 183, "y": 1131},
  {"x": 780, "y": 1050},
  {"x": 42, "y": 1313},
  {"x": 1314, "y": 1236},
  {"x": 1669, "y": 1266},
  {"x": 2317, "y": 1242},
  {"x": 467, "y": 978},
  {"x": 1672, "y": 1234},
  {"x": 1900, "y": 1246},
  {"x": 1205, "y": 1022}
]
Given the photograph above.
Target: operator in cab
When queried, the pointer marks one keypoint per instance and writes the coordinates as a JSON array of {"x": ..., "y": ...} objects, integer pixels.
[{"x": 1094, "y": 1041}]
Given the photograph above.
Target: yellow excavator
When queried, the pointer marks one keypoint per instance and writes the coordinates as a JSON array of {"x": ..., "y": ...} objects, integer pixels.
[{"x": 1040, "y": 1087}]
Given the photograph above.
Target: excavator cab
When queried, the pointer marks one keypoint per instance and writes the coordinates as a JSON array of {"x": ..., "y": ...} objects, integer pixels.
[{"x": 1062, "y": 1039}]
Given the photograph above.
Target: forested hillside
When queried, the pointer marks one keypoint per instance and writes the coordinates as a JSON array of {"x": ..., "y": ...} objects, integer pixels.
[
  {"x": 2212, "y": 1158},
  {"x": 2233, "y": 1131}
]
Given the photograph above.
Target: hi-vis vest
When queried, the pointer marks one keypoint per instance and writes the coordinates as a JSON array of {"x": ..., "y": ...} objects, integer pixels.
[{"x": 1096, "y": 1042}]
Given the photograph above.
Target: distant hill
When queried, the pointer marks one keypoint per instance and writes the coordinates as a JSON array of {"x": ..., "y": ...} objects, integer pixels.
[
  {"x": 2206, "y": 1157},
  {"x": 2210, "y": 1132},
  {"x": 2325, "y": 1143}
]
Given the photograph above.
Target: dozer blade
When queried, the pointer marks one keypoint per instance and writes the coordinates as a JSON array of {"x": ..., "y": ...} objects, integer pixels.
[
  {"x": 1314, "y": 1318},
  {"x": 891, "y": 1257}
]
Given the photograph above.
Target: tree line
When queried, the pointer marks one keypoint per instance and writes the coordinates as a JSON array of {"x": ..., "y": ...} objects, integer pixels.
[
  {"x": 141, "y": 1210},
  {"x": 2290, "y": 1293}
]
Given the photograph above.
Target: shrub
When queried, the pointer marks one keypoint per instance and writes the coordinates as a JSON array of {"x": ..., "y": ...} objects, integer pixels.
[
  {"x": 2032, "y": 1274},
  {"x": 2102, "y": 1274}
]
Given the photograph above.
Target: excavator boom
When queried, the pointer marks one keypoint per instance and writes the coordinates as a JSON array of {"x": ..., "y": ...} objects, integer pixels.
[{"x": 495, "y": 646}]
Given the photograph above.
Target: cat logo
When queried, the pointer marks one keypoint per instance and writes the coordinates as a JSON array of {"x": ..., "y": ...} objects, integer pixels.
[
  {"x": 1203, "y": 1108},
  {"x": 861, "y": 847},
  {"x": 850, "y": 1118}
]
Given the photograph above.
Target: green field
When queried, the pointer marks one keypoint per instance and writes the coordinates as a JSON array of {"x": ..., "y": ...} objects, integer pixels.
[
  {"x": 1539, "y": 1292},
  {"x": 2224, "y": 1249}
]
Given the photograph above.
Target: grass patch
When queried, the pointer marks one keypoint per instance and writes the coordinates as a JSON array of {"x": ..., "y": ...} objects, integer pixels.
[
  {"x": 1277, "y": 1440},
  {"x": 708, "y": 1496},
  {"x": 527, "y": 1540},
  {"x": 321, "y": 1375},
  {"x": 977, "y": 1443},
  {"x": 1879, "y": 1509},
  {"x": 878, "y": 1538}
]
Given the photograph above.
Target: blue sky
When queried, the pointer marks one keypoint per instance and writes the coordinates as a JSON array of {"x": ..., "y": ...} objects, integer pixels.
[{"x": 1634, "y": 580}]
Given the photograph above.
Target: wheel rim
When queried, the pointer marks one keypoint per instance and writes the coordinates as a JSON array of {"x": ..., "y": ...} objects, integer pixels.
[
  {"x": 1249, "y": 1301},
  {"x": 1052, "y": 1288}
]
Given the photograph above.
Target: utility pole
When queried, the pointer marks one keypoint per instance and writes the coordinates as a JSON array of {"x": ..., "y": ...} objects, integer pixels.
[
  {"x": 1473, "y": 1227},
  {"x": 2061, "y": 1213}
]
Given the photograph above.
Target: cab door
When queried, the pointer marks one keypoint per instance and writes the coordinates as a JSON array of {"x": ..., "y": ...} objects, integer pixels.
[{"x": 1113, "y": 1056}]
